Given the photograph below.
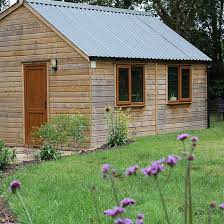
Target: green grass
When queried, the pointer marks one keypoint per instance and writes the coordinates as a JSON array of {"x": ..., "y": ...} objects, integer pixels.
[{"x": 60, "y": 192}]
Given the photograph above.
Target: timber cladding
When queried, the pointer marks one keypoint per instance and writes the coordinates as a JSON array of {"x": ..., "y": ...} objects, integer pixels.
[
  {"x": 26, "y": 39},
  {"x": 157, "y": 116}
]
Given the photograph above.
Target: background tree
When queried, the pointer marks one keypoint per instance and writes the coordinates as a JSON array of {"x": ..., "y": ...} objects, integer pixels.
[{"x": 3, "y": 4}]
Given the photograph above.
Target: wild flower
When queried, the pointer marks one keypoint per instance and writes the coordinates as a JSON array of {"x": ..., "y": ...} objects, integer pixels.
[
  {"x": 14, "y": 186},
  {"x": 114, "y": 212},
  {"x": 190, "y": 158},
  {"x": 172, "y": 160},
  {"x": 222, "y": 206},
  {"x": 194, "y": 139},
  {"x": 154, "y": 169},
  {"x": 132, "y": 170},
  {"x": 106, "y": 168},
  {"x": 140, "y": 219},
  {"x": 213, "y": 204},
  {"x": 127, "y": 202},
  {"x": 123, "y": 221},
  {"x": 183, "y": 136}
]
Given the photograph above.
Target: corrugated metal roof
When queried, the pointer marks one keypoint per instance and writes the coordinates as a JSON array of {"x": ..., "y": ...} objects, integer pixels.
[{"x": 108, "y": 32}]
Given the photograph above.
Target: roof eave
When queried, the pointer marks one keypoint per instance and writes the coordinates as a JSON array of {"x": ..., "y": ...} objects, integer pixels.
[{"x": 190, "y": 61}]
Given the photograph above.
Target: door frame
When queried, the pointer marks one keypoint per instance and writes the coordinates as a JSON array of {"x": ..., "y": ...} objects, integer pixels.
[{"x": 31, "y": 64}]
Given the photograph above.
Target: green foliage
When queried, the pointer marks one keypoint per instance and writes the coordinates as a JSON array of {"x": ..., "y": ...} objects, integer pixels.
[
  {"x": 216, "y": 88},
  {"x": 118, "y": 122},
  {"x": 48, "y": 152},
  {"x": 62, "y": 130},
  {"x": 7, "y": 155},
  {"x": 77, "y": 129},
  {"x": 4, "y": 4}
]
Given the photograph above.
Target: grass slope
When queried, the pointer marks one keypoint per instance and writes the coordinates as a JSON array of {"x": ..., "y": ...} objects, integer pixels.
[{"x": 60, "y": 192}]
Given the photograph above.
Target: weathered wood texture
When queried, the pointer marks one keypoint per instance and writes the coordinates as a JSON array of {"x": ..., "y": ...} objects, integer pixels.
[
  {"x": 156, "y": 117},
  {"x": 24, "y": 38}
]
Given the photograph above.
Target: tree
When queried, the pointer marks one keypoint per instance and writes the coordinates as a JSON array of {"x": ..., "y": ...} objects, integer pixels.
[
  {"x": 126, "y": 4},
  {"x": 199, "y": 21},
  {"x": 3, "y": 4},
  {"x": 210, "y": 20}
]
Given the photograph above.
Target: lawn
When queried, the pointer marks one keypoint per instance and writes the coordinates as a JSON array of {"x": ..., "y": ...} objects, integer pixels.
[{"x": 60, "y": 192}]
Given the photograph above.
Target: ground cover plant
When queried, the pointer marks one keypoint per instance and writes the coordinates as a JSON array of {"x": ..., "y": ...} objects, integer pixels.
[
  {"x": 62, "y": 191},
  {"x": 7, "y": 155}
]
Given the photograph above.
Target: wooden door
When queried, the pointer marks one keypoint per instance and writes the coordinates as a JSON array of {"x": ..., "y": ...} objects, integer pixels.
[{"x": 35, "y": 89}]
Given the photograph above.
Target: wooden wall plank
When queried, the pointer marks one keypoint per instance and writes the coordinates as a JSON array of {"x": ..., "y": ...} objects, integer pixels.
[{"x": 24, "y": 38}]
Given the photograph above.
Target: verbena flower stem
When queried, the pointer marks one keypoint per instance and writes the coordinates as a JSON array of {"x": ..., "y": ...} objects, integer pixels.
[
  {"x": 24, "y": 207},
  {"x": 186, "y": 195},
  {"x": 96, "y": 206},
  {"x": 163, "y": 201},
  {"x": 114, "y": 190},
  {"x": 209, "y": 215},
  {"x": 190, "y": 194}
]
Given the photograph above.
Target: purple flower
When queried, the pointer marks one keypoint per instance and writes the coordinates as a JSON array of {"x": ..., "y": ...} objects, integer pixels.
[
  {"x": 222, "y": 206},
  {"x": 212, "y": 204},
  {"x": 194, "y": 139},
  {"x": 172, "y": 160},
  {"x": 106, "y": 168},
  {"x": 140, "y": 216},
  {"x": 154, "y": 169},
  {"x": 190, "y": 158},
  {"x": 114, "y": 212},
  {"x": 14, "y": 186},
  {"x": 126, "y": 202},
  {"x": 132, "y": 170},
  {"x": 123, "y": 221},
  {"x": 140, "y": 219},
  {"x": 182, "y": 137}
]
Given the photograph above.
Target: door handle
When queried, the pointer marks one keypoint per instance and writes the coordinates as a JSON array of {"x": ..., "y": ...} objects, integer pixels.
[{"x": 45, "y": 104}]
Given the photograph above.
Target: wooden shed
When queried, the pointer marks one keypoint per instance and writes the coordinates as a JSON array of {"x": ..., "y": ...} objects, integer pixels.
[{"x": 59, "y": 58}]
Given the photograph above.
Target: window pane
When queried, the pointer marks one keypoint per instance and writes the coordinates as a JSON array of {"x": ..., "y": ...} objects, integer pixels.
[
  {"x": 123, "y": 84},
  {"x": 137, "y": 84},
  {"x": 173, "y": 83},
  {"x": 185, "y": 83}
]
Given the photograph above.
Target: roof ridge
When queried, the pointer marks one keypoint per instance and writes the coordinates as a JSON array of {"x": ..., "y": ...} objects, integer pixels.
[{"x": 90, "y": 7}]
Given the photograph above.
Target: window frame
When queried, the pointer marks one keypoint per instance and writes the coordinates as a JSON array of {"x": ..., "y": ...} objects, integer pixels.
[
  {"x": 180, "y": 99},
  {"x": 129, "y": 103}
]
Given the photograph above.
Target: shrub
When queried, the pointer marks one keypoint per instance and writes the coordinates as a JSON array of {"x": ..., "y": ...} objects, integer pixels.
[
  {"x": 60, "y": 131},
  {"x": 7, "y": 155},
  {"x": 78, "y": 127},
  {"x": 48, "y": 152},
  {"x": 118, "y": 122}
]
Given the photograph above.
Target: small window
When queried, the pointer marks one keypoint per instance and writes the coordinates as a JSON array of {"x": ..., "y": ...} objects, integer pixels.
[
  {"x": 179, "y": 84},
  {"x": 130, "y": 85}
]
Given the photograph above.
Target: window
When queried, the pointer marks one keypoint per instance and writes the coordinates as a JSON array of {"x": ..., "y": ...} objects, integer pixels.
[
  {"x": 130, "y": 85},
  {"x": 179, "y": 84}
]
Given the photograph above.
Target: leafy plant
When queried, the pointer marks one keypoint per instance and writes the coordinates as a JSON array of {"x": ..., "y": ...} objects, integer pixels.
[
  {"x": 7, "y": 155},
  {"x": 48, "y": 152},
  {"x": 61, "y": 131},
  {"x": 118, "y": 122},
  {"x": 77, "y": 129}
]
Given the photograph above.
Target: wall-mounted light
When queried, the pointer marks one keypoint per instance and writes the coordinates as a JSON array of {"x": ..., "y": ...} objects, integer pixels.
[
  {"x": 54, "y": 65},
  {"x": 93, "y": 64}
]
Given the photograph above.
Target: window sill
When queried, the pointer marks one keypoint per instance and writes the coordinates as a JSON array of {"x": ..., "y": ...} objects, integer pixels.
[
  {"x": 131, "y": 106},
  {"x": 178, "y": 102}
]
